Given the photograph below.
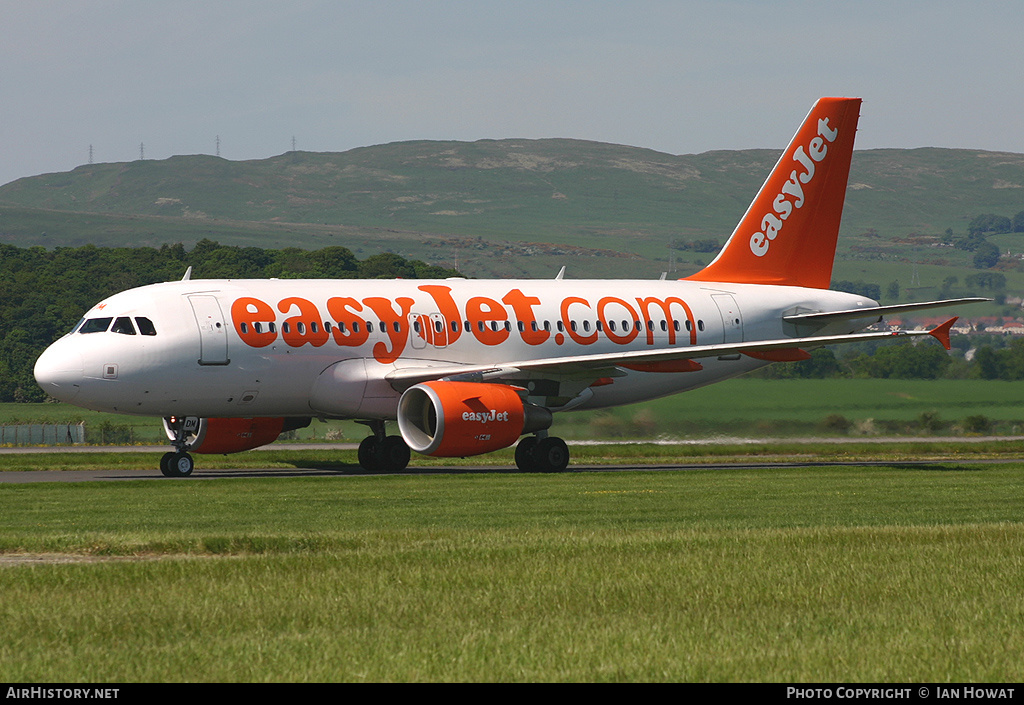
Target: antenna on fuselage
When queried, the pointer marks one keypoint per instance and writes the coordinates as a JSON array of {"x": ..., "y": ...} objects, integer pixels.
[
  {"x": 662, "y": 277},
  {"x": 561, "y": 273},
  {"x": 188, "y": 274}
]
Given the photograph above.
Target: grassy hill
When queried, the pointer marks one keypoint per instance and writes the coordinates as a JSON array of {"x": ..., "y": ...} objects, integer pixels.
[{"x": 517, "y": 207}]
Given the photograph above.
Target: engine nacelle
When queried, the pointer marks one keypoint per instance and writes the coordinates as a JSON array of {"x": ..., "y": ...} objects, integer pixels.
[
  {"x": 211, "y": 436},
  {"x": 457, "y": 419}
]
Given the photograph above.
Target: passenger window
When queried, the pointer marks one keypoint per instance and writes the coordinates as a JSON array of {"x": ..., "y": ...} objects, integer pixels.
[{"x": 96, "y": 325}]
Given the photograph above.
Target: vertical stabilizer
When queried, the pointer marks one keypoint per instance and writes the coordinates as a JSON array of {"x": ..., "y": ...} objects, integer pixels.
[{"x": 788, "y": 234}]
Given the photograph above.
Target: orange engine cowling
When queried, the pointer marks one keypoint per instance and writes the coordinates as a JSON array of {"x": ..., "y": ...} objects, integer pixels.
[
  {"x": 457, "y": 419},
  {"x": 218, "y": 435}
]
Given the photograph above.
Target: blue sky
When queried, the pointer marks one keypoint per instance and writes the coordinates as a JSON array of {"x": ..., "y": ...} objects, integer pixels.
[{"x": 679, "y": 77}]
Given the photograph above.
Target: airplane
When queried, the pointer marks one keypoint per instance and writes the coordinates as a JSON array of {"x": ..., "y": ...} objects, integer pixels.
[{"x": 466, "y": 366}]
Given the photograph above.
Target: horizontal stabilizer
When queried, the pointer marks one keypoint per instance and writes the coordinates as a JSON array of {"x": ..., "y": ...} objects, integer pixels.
[{"x": 941, "y": 333}]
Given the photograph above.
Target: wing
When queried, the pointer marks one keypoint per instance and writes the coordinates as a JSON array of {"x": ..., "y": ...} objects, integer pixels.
[
  {"x": 676, "y": 359},
  {"x": 877, "y": 311}
]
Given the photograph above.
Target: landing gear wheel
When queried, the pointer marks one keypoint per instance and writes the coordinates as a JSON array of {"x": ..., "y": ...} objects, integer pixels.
[
  {"x": 525, "y": 459},
  {"x": 551, "y": 455},
  {"x": 393, "y": 454},
  {"x": 368, "y": 455},
  {"x": 389, "y": 454},
  {"x": 178, "y": 464}
]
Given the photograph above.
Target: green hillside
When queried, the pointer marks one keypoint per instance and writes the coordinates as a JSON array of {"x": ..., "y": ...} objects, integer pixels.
[{"x": 516, "y": 207}]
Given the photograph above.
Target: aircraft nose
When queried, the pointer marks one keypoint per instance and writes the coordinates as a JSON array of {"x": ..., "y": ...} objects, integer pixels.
[{"x": 59, "y": 372}]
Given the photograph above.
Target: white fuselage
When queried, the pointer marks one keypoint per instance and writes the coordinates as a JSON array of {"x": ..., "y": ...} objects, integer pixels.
[{"x": 250, "y": 348}]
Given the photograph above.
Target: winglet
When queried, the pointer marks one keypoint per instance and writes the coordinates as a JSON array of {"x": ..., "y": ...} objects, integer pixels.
[
  {"x": 941, "y": 332},
  {"x": 788, "y": 234}
]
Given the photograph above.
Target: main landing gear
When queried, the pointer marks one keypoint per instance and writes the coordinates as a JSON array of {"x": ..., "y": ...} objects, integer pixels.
[
  {"x": 382, "y": 453},
  {"x": 542, "y": 454}
]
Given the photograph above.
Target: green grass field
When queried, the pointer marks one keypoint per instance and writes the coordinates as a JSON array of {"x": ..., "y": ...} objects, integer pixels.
[{"x": 855, "y": 574}]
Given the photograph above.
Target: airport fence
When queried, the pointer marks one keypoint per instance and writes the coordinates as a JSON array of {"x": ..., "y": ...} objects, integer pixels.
[{"x": 42, "y": 434}]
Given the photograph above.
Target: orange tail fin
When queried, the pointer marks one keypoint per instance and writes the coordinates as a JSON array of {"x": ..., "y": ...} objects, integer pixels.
[{"x": 788, "y": 234}]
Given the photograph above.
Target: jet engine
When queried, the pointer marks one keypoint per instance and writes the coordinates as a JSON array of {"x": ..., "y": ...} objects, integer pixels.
[
  {"x": 457, "y": 419},
  {"x": 218, "y": 435}
]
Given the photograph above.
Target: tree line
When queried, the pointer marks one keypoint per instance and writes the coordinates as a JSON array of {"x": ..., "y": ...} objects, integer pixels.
[
  {"x": 978, "y": 357},
  {"x": 986, "y": 254},
  {"x": 44, "y": 292}
]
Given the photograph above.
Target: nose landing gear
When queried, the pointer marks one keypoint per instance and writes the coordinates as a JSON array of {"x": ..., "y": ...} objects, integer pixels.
[{"x": 178, "y": 463}]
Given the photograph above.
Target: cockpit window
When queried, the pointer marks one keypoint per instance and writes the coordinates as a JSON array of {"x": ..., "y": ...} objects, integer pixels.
[
  {"x": 75, "y": 329},
  {"x": 123, "y": 325},
  {"x": 95, "y": 325}
]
